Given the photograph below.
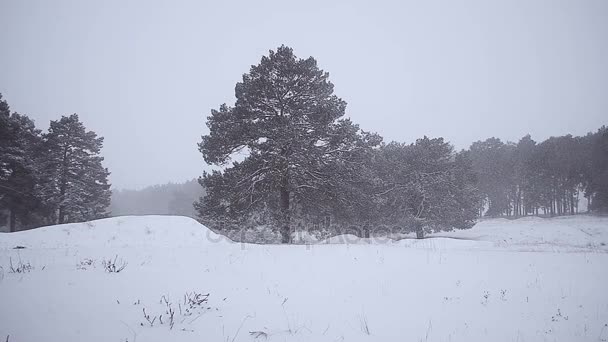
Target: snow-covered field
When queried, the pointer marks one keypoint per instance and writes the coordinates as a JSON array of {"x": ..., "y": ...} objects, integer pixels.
[{"x": 524, "y": 280}]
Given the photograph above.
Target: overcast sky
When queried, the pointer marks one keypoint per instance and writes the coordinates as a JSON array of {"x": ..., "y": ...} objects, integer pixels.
[{"x": 145, "y": 74}]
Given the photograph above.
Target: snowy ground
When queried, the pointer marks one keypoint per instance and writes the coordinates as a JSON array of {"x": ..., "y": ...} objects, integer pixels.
[{"x": 523, "y": 280}]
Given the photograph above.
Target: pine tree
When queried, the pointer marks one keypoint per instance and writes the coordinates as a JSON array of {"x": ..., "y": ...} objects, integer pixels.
[
  {"x": 288, "y": 120},
  {"x": 426, "y": 186},
  {"x": 527, "y": 199},
  {"x": 561, "y": 170},
  {"x": 19, "y": 143},
  {"x": 7, "y": 140},
  {"x": 75, "y": 184},
  {"x": 494, "y": 164},
  {"x": 597, "y": 188}
]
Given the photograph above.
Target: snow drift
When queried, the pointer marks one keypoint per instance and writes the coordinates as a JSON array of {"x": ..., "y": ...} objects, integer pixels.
[{"x": 124, "y": 231}]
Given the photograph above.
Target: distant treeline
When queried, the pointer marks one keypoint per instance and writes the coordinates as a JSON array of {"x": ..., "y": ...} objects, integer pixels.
[
  {"x": 529, "y": 178},
  {"x": 52, "y": 177},
  {"x": 165, "y": 199}
]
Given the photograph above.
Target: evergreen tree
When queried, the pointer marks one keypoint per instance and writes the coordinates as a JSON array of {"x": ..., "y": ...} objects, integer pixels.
[
  {"x": 526, "y": 191},
  {"x": 288, "y": 119},
  {"x": 597, "y": 188},
  {"x": 493, "y": 163},
  {"x": 19, "y": 143},
  {"x": 75, "y": 184},
  {"x": 426, "y": 186},
  {"x": 7, "y": 142},
  {"x": 561, "y": 173}
]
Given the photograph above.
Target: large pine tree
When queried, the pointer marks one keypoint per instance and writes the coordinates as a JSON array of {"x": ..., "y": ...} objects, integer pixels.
[
  {"x": 75, "y": 184},
  {"x": 19, "y": 144},
  {"x": 289, "y": 121}
]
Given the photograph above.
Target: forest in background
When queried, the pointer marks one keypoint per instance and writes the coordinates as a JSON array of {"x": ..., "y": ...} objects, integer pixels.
[
  {"x": 545, "y": 178},
  {"x": 164, "y": 199}
]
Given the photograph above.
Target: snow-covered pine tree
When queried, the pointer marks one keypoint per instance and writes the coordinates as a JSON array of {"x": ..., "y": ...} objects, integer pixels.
[
  {"x": 75, "y": 184},
  {"x": 19, "y": 142},
  {"x": 7, "y": 140},
  {"x": 426, "y": 186},
  {"x": 289, "y": 121}
]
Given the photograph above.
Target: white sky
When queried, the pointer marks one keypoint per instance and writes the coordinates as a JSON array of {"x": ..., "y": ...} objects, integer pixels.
[{"x": 145, "y": 74}]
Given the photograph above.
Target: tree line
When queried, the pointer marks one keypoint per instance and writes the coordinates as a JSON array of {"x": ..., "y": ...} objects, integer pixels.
[
  {"x": 163, "y": 199},
  {"x": 308, "y": 167},
  {"x": 550, "y": 177},
  {"x": 50, "y": 178}
]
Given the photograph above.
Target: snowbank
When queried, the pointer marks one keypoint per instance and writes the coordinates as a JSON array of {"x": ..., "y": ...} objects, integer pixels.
[
  {"x": 559, "y": 234},
  {"x": 581, "y": 233},
  {"x": 124, "y": 231}
]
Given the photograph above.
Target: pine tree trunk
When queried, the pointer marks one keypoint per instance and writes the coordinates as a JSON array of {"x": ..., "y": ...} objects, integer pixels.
[
  {"x": 12, "y": 221},
  {"x": 365, "y": 230},
  {"x": 571, "y": 203},
  {"x": 63, "y": 186},
  {"x": 519, "y": 211},
  {"x": 285, "y": 229},
  {"x": 419, "y": 230},
  {"x": 61, "y": 219}
]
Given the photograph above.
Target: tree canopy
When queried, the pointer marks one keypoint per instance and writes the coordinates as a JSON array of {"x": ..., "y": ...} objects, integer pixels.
[
  {"x": 53, "y": 177},
  {"x": 305, "y": 162}
]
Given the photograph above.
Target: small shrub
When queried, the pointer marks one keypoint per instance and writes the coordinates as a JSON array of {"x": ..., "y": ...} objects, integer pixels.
[
  {"x": 194, "y": 299},
  {"x": 20, "y": 267},
  {"x": 114, "y": 266},
  {"x": 486, "y": 297},
  {"x": 193, "y": 303},
  {"x": 147, "y": 317},
  {"x": 364, "y": 325}
]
